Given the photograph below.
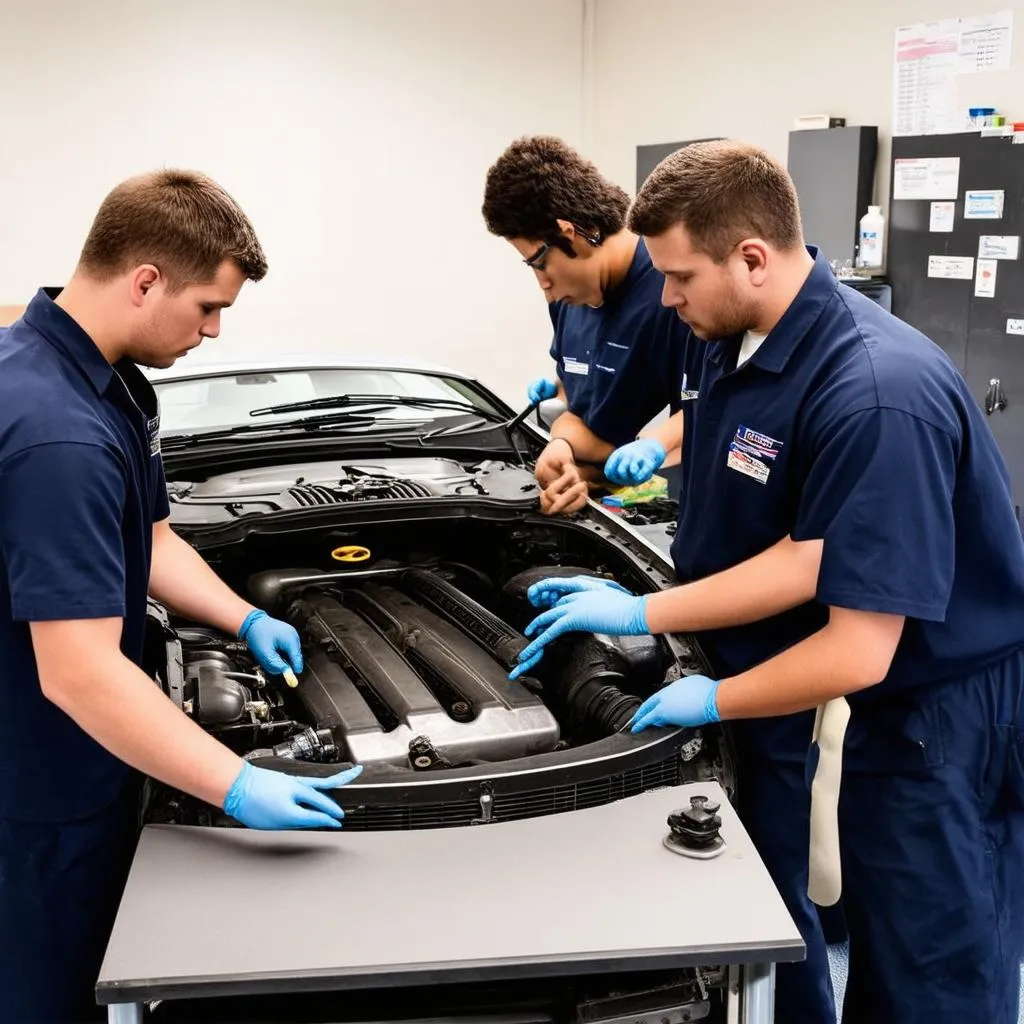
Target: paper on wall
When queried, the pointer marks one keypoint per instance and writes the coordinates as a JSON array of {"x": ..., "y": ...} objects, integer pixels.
[
  {"x": 998, "y": 247},
  {"x": 930, "y": 56},
  {"x": 952, "y": 268},
  {"x": 984, "y": 204},
  {"x": 985, "y": 282},
  {"x": 1015, "y": 325},
  {"x": 927, "y": 178},
  {"x": 943, "y": 217},
  {"x": 985, "y": 42},
  {"x": 924, "y": 79}
]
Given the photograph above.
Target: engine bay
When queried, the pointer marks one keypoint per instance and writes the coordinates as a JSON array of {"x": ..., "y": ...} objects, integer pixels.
[
  {"x": 407, "y": 655},
  {"x": 407, "y": 651},
  {"x": 231, "y": 494},
  {"x": 226, "y": 495}
]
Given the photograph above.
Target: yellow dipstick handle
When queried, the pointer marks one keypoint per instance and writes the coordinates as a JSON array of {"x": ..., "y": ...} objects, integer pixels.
[
  {"x": 289, "y": 677},
  {"x": 350, "y": 553}
]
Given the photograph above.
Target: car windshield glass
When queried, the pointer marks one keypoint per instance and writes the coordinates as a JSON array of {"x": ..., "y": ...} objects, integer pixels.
[{"x": 223, "y": 401}]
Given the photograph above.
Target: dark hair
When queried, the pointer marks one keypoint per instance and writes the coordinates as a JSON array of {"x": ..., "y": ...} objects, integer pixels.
[
  {"x": 182, "y": 222},
  {"x": 722, "y": 192},
  {"x": 540, "y": 180}
]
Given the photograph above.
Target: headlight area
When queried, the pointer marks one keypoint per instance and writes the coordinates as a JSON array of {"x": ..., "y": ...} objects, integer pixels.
[{"x": 410, "y": 624}]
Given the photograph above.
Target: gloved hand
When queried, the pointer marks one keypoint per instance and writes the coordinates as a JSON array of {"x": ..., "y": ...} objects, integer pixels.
[
  {"x": 260, "y": 798},
  {"x": 541, "y": 389},
  {"x": 592, "y": 611},
  {"x": 689, "y": 701},
  {"x": 269, "y": 639},
  {"x": 544, "y": 593},
  {"x": 636, "y": 462}
]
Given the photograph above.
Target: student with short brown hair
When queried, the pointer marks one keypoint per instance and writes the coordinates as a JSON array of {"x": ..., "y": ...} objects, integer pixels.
[{"x": 85, "y": 540}]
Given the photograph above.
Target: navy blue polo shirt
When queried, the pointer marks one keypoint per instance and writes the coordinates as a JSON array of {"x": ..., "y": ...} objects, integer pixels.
[
  {"x": 849, "y": 425},
  {"x": 81, "y": 484},
  {"x": 624, "y": 362}
]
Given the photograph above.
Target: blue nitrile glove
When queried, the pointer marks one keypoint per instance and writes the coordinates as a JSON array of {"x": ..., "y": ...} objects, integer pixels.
[
  {"x": 592, "y": 611},
  {"x": 544, "y": 593},
  {"x": 260, "y": 798},
  {"x": 269, "y": 639},
  {"x": 541, "y": 389},
  {"x": 688, "y": 701},
  {"x": 636, "y": 462}
]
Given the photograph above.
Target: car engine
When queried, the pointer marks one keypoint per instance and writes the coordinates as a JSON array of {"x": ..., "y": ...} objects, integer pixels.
[
  {"x": 407, "y": 647},
  {"x": 406, "y": 669}
]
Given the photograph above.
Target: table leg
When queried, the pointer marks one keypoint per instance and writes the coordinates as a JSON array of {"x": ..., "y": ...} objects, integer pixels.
[
  {"x": 758, "y": 1006},
  {"x": 124, "y": 1013}
]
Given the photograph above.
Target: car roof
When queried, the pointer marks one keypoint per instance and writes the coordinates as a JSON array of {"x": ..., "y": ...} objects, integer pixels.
[{"x": 185, "y": 369}]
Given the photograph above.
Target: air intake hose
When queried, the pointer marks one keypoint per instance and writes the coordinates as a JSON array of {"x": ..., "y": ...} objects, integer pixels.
[
  {"x": 588, "y": 689},
  {"x": 517, "y": 587},
  {"x": 639, "y": 660}
]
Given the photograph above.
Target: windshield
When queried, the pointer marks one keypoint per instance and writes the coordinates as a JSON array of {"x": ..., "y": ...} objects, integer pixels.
[{"x": 222, "y": 402}]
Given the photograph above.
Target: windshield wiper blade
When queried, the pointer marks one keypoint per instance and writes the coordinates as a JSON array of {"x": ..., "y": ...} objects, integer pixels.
[
  {"x": 458, "y": 428},
  {"x": 508, "y": 428},
  {"x": 378, "y": 402},
  {"x": 309, "y": 404},
  {"x": 307, "y": 422}
]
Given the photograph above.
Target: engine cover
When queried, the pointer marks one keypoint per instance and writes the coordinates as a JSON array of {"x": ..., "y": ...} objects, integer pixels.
[{"x": 388, "y": 677}]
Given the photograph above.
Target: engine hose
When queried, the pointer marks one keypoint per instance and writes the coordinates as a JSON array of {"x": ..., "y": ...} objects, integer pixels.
[
  {"x": 519, "y": 584},
  {"x": 598, "y": 707},
  {"x": 589, "y": 691},
  {"x": 640, "y": 658}
]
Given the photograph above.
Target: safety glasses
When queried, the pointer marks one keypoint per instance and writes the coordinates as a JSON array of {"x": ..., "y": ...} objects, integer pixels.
[{"x": 537, "y": 259}]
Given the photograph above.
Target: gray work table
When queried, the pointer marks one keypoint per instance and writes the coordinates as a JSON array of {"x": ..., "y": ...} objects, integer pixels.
[{"x": 586, "y": 892}]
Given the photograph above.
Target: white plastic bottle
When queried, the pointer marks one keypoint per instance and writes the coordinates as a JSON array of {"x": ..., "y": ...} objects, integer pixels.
[{"x": 871, "y": 250}]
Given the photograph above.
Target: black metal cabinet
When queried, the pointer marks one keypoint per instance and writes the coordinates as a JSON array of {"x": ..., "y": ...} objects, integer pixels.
[{"x": 972, "y": 330}]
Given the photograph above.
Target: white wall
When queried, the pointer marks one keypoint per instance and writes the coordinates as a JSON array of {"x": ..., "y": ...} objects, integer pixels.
[
  {"x": 355, "y": 134},
  {"x": 671, "y": 70}
]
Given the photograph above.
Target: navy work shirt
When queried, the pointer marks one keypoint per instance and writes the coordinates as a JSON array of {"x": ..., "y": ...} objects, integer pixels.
[
  {"x": 622, "y": 363},
  {"x": 81, "y": 484},
  {"x": 849, "y": 425}
]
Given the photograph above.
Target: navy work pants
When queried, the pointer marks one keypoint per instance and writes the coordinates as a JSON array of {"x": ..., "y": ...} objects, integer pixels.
[
  {"x": 931, "y": 819},
  {"x": 60, "y": 885}
]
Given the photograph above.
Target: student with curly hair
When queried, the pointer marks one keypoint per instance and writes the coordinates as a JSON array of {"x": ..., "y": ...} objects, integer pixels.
[{"x": 620, "y": 356}]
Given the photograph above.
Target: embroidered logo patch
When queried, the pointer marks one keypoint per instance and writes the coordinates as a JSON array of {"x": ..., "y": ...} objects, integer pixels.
[{"x": 753, "y": 453}]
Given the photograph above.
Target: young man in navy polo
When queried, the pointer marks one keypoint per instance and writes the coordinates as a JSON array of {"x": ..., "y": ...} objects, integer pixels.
[
  {"x": 850, "y": 545},
  {"x": 84, "y": 538},
  {"x": 620, "y": 357}
]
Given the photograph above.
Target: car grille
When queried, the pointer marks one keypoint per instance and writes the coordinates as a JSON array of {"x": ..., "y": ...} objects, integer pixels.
[{"x": 512, "y": 806}]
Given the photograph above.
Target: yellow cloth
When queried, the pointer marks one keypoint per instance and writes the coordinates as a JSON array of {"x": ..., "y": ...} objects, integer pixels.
[{"x": 656, "y": 487}]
